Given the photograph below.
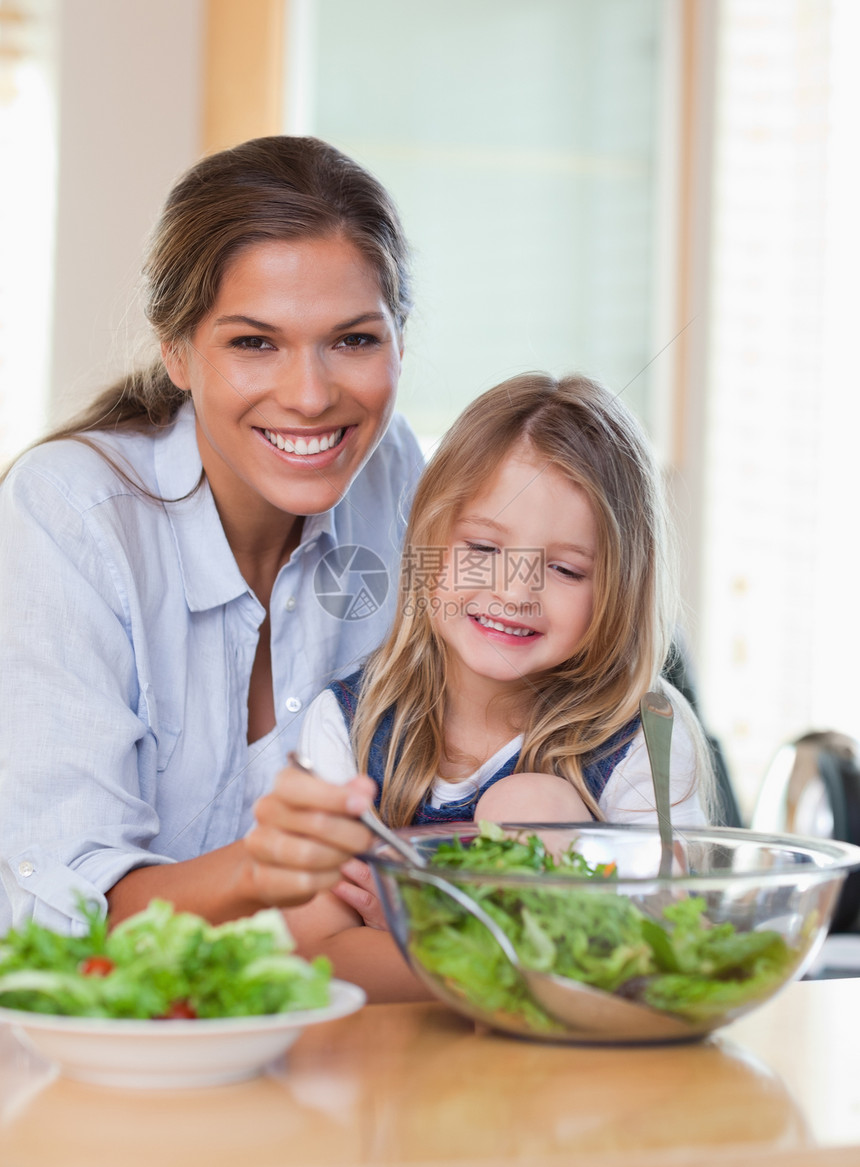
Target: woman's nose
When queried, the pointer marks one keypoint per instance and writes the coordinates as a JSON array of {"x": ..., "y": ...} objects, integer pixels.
[{"x": 307, "y": 385}]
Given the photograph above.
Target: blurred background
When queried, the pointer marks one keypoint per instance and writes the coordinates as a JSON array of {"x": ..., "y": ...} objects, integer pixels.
[{"x": 660, "y": 193}]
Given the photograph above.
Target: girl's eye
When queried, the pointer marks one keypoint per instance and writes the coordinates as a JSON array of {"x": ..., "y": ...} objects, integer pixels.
[
  {"x": 255, "y": 343},
  {"x": 481, "y": 548},
  {"x": 358, "y": 340},
  {"x": 566, "y": 572}
]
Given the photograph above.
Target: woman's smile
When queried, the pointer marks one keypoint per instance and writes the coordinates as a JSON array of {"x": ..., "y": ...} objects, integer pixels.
[
  {"x": 293, "y": 374},
  {"x": 306, "y": 443}
]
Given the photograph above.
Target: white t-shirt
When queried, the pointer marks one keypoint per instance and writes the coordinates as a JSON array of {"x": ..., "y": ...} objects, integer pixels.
[{"x": 628, "y": 796}]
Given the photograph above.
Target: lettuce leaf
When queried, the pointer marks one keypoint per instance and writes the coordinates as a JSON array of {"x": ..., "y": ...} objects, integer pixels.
[
  {"x": 681, "y": 963},
  {"x": 159, "y": 959}
]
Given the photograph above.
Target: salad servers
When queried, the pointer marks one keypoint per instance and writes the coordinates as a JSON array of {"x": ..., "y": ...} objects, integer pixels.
[
  {"x": 401, "y": 846},
  {"x": 657, "y": 717},
  {"x": 588, "y": 1012}
]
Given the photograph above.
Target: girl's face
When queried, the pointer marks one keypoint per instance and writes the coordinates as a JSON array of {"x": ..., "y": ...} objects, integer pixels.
[
  {"x": 293, "y": 375},
  {"x": 517, "y": 594}
]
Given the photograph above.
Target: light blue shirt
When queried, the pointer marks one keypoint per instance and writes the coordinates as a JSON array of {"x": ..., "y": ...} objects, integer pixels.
[{"x": 127, "y": 636}]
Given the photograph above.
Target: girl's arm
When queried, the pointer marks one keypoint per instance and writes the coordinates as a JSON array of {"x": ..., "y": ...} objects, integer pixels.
[
  {"x": 629, "y": 794},
  {"x": 364, "y": 955},
  {"x": 347, "y": 924},
  {"x": 531, "y": 798}
]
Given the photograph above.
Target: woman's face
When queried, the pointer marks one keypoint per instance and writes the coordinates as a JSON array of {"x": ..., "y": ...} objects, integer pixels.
[{"x": 293, "y": 374}]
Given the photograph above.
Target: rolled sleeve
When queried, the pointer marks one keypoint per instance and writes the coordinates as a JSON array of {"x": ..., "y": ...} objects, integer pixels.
[
  {"x": 40, "y": 887},
  {"x": 70, "y": 731}
]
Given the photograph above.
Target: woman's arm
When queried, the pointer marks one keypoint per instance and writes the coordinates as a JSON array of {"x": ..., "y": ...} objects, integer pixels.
[
  {"x": 305, "y": 831},
  {"x": 90, "y": 808},
  {"x": 71, "y": 811}
]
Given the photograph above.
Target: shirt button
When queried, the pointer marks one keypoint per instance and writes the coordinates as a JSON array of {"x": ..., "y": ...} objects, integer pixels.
[
  {"x": 290, "y": 604},
  {"x": 25, "y": 868},
  {"x": 293, "y": 704}
]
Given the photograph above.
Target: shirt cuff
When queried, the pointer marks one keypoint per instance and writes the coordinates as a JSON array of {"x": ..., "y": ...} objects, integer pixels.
[{"x": 40, "y": 888}]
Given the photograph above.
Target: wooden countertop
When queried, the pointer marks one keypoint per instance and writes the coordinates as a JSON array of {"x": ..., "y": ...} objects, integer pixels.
[{"x": 417, "y": 1085}]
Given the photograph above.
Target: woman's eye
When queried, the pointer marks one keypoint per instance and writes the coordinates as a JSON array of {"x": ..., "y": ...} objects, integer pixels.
[
  {"x": 358, "y": 340},
  {"x": 257, "y": 343}
]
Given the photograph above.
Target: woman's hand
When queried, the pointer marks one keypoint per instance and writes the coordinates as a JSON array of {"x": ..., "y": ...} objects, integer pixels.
[
  {"x": 358, "y": 889},
  {"x": 306, "y": 830}
]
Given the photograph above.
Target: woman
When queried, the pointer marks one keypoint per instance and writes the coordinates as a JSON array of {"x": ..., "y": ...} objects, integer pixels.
[{"x": 182, "y": 567}]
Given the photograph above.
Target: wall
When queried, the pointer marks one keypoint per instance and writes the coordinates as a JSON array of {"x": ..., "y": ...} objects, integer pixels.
[{"x": 129, "y": 123}]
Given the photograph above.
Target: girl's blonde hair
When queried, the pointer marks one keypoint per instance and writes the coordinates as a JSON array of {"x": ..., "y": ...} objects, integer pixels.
[{"x": 584, "y": 432}]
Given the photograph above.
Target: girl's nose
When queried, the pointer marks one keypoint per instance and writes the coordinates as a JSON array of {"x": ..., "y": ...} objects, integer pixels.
[
  {"x": 516, "y": 570},
  {"x": 519, "y": 576}
]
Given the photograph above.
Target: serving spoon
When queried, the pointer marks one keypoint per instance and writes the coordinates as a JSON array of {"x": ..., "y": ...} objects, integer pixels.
[
  {"x": 411, "y": 854},
  {"x": 657, "y": 717},
  {"x": 587, "y": 1012}
]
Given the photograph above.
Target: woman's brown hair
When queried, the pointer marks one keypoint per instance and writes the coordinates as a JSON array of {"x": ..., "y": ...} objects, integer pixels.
[{"x": 274, "y": 188}]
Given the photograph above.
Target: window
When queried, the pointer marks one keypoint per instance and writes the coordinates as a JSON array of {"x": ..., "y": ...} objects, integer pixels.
[
  {"x": 521, "y": 142},
  {"x": 28, "y": 150},
  {"x": 779, "y": 639}
]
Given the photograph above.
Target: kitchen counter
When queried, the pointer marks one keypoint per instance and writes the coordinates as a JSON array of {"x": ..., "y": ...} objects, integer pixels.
[{"x": 418, "y": 1085}]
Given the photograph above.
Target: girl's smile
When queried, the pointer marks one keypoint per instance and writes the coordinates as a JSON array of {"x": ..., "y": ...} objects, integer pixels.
[
  {"x": 517, "y": 594},
  {"x": 503, "y": 627}
]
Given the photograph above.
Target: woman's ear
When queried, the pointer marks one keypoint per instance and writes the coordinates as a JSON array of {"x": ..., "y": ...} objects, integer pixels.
[{"x": 173, "y": 353}]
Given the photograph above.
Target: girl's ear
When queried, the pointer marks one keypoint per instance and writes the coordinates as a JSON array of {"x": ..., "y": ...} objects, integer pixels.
[{"x": 173, "y": 353}]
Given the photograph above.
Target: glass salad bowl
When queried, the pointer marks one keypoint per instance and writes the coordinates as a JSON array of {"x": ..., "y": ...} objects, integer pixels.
[{"x": 741, "y": 915}]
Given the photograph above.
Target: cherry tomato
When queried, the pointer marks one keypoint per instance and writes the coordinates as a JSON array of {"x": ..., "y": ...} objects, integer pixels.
[
  {"x": 179, "y": 1011},
  {"x": 96, "y": 966}
]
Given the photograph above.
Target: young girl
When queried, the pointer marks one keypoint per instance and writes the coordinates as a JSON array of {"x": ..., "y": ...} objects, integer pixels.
[{"x": 535, "y": 609}]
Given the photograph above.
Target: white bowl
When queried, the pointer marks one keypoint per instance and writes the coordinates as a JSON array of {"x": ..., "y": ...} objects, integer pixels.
[{"x": 156, "y": 1055}]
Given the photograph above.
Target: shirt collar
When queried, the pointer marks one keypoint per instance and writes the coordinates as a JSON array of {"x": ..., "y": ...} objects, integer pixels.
[
  {"x": 332, "y": 524},
  {"x": 322, "y": 527},
  {"x": 210, "y": 574}
]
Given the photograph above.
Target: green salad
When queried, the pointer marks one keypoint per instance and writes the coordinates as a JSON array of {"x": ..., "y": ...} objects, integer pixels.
[
  {"x": 161, "y": 964},
  {"x": 681, "y": 962}
]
